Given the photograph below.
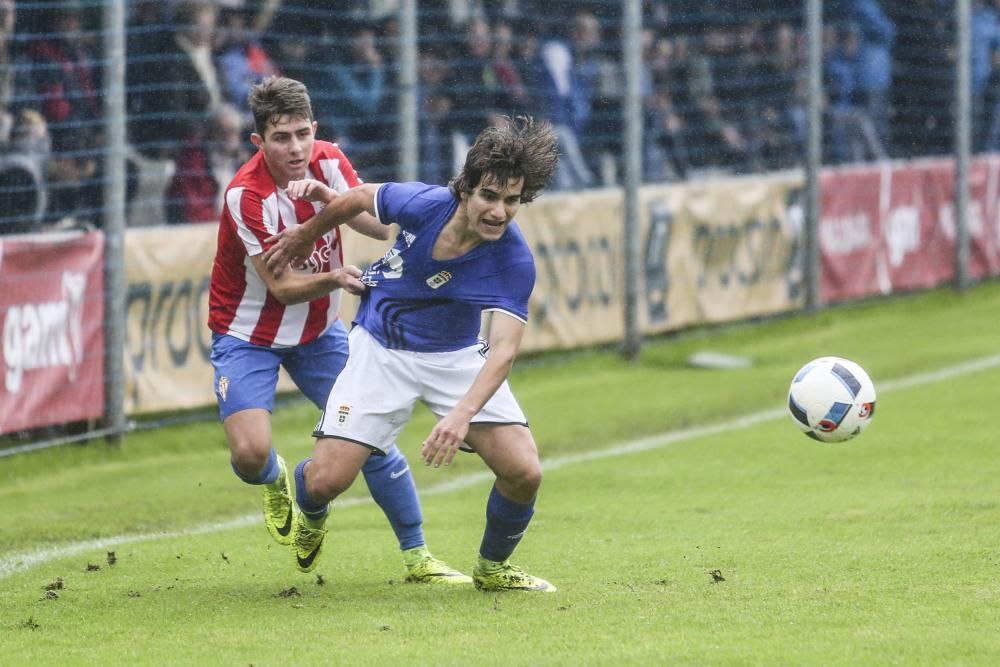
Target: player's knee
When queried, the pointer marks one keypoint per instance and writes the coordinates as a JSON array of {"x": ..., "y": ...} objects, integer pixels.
[
  {"x": 249, "y": 455},
  {"x": 532, "y": 479},
  {"x": 522, "y": 483},
  {"x": 327, "y": 482}
]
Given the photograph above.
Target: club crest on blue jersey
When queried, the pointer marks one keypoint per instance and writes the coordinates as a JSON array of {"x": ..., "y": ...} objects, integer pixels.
[
  {"x": 438, "y": 279},
  {"x": 409, "y": 238}
]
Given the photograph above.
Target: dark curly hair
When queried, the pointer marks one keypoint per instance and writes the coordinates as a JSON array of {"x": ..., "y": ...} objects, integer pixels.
[
  {"x": 515, "y": 148},
  {"x": 278, "y": 96}
]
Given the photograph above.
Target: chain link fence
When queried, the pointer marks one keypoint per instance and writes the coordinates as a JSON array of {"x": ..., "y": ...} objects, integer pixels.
[{"x": 722, "y": 90}]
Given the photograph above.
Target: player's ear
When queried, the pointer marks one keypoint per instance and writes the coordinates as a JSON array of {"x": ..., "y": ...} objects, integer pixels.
[
  {"x": 315, "y": 125},
  {"x": 256, "y": 140}
]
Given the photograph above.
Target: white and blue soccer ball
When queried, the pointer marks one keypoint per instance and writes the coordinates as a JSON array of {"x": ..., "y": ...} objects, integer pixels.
[{"x": 831, "y": 399}]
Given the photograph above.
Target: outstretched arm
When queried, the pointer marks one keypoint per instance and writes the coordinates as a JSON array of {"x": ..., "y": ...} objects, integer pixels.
[
  {"x": 290, "y": 287},
  {"x": 298, "y": 241},
  {"x": 448, "y": 434}
]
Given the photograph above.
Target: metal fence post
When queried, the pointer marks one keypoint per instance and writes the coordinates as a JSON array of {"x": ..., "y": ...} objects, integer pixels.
[
  {"x": 632, "y": 141},
  {"x": 963, "y": 133},
  {"x": 407, "y": 62},
  {"x": 814, "y": 150},
  {"x": 114, "y": 220}
]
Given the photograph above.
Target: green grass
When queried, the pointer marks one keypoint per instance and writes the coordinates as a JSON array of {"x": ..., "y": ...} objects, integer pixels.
[{"x": 878, "y": 551}]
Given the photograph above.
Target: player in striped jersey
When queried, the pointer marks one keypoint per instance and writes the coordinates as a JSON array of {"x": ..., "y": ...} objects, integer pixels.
[
  {"x": 458, "y": 254},
  {"x": 262, "y": 320}
]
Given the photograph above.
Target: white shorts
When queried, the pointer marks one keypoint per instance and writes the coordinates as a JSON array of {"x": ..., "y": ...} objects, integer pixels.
[{"x": 374, "y": 396}]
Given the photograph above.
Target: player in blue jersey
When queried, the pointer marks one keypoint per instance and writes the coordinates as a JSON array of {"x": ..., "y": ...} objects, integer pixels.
[{"x": 458, "y": 254}]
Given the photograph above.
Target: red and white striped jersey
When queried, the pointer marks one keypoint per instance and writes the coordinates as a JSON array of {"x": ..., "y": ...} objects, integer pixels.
[{"x": 255, "y": 208}]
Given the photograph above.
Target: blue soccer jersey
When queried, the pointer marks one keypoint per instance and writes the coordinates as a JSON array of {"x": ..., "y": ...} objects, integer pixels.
[{"x": 417, "y": 303}]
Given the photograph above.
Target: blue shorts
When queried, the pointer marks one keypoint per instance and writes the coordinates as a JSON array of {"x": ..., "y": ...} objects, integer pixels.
[{"x": 246, "y": 375}]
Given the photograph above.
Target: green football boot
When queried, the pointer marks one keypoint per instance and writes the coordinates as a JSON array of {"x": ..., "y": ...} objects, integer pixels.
[
  {"x": 278, "y": 507},
  {"x": 423, "y": 568},
  {"x": 491, "y": 575},
  {"x": 307, "y": 543}
]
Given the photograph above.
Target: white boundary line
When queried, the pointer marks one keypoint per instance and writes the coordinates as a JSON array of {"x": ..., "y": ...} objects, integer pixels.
[{"x": 20, "y": 562}]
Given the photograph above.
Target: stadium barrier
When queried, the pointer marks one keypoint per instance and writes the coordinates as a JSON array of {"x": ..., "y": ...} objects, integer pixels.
[{"x": 714, "y": 252}]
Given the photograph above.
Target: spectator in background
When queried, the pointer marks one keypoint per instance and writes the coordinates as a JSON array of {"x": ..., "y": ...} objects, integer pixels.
[
  {"x": 985, "y": 43},
  {"x": 473, "y": 81},
  {"x": 207, "y": 163},
  {"x": 991, "y": 102},
  {"x": 714, "y": 141},
  {"x": 357, "y": 88},
  {"x": 723, "y": 110},
  {"x": 666, "y": 155},
  {"x": 145, "y": 45},
  {"x": 7, "y": 69},
  {"x": 603, "y": 147},
  {"x": 526, "y": 60},
  {"x": 788, "y": 70},
  {"x": 434, "y": 120},
  {"x": 566, "y": 95},
  {"x": 242, "y": 59},
  {"x": 385, "y": 160},
  {"x": 876, "y": 36},
  {"x": 176, "y": 81},
  {"x": 24, "y": 155},
  {"x": 778, "y": 125},
  {"x": 923, "y": 77},
  {"x": 507, "y": 71},
  {"x": 66, "y": 82},
  {"x": 853, "y": 137}
]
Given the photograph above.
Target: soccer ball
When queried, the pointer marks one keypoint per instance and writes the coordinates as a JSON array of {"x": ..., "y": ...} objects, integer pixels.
[{"x": 831, "y": 399}]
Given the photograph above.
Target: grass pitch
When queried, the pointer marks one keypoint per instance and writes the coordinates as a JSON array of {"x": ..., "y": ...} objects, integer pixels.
[{"x": 726, "y": 541}]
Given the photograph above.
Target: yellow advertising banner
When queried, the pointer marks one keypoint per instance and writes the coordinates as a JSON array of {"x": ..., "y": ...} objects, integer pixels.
[
  {"x": 720, "y": 251},
  {"x": 167, "y": 342},
  {"x": 578, "y": 243}
]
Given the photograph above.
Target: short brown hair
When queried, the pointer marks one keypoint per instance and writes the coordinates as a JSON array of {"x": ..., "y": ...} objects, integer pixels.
[
  {"x": 515, "y": 148},
  {"x": 278, "y": 96}
]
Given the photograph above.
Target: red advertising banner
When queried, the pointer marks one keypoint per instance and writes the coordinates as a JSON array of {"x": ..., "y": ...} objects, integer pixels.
[
  {"x": 51, "y": 313},
  {"x": 918, "y": 241},
  {"x": 984, "y": 217},
  {"x": 891, "y": 227},
  {"x": 849, "y": 233}
]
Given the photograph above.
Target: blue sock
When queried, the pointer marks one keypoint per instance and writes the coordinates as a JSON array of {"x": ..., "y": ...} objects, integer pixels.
[
  {"x": 312, "y": 509},
  {"x": 391, "y": 485},
  {"x": 266, "y": 476},
  {"x": 506, "y": 522}
]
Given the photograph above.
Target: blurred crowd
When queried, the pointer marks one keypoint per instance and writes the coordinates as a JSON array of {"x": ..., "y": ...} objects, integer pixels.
[{"x": 723, "y": 89}]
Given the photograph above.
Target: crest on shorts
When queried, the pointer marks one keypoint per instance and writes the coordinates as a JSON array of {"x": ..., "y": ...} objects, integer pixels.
[
  {"x": 343, "y": 413},
  {"x": 439, "y": 279},
  {"x": 223, "y": 386}
]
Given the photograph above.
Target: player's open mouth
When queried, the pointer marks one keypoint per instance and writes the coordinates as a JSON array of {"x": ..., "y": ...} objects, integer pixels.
[{"x": 496, "y": 225}]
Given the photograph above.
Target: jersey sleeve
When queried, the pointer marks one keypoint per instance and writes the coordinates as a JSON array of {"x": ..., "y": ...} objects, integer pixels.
[
  {"x": 252, "y": 220},
  {"x": 511, "y": 277},
  {"x": 514, "y": 290},
  {"x": 401, "y": 203},
  {"x": 336, "y": 169}
]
